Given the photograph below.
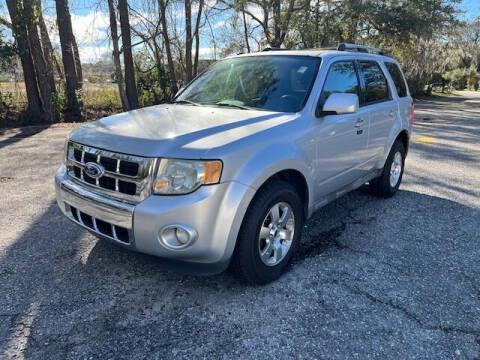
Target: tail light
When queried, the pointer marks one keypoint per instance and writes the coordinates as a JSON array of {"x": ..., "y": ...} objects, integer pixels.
[{"x": 412, "y": 113}]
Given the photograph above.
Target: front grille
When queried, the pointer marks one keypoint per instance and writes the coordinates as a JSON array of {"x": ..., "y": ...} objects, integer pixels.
[
  {"x": 104, "y": 228},
  {"x": 125, "y": 176}
]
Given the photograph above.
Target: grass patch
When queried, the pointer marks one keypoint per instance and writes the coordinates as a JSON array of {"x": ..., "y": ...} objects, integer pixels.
[
  {"x": 99, "y": 100},
  {"x": 447, "y": 93},
  {"x": 101, "y": 96}
]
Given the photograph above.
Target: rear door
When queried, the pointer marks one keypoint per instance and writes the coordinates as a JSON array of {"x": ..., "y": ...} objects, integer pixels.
[
  {"x": 378, "y": 101},
  {"x": 404, "y": 99}
]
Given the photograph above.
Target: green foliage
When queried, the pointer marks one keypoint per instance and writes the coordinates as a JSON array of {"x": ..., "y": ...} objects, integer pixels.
[
  {"x": 96, "y": 79},
  {"x": 461, "y": 78},
  {"x": 458, "y": 78},
  {"x": 473, "y": 79},
  {"x": 7, "y": 53},
  {"x": 154, "y": 86},
  {"x": 6, "y": 101},
  {"x": 60, "y": 99}
]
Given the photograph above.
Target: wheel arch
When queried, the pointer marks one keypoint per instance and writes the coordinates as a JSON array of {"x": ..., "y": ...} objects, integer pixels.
[
  {"x": 289, "y": 175},
  {"x": 397, "y": 133},
  {"x": 404, "y": 137},
  {"x": 295, "y": 178}
]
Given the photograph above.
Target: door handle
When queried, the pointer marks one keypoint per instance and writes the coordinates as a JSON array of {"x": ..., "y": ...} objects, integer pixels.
[
  {"x": 391, "y": 113},
  {"x": 359, "y": 123}
]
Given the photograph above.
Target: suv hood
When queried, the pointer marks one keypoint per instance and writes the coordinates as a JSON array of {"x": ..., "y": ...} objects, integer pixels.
[{"x": 173, "y": 130}]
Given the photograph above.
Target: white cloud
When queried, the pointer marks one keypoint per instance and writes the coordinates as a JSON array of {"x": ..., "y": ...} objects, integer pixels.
[
  {"x": 219, "y": 24},
  {"x": 87, "y": 28},
  {"x": 256, "y": 11},
  {"x": 90, "y": 32},
  {"x": 93, "y": 53},
  {"x": 91, "y": 27},
  {"x": 205, "y": 52}
]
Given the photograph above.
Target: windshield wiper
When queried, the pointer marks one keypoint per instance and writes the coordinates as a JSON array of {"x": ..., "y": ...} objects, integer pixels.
[
  {"x": 221, "y": 103},
  {"x": 184, "y": 102}
]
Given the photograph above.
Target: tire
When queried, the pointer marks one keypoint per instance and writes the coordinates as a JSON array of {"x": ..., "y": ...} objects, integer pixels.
[
  {"x": 247, "y": 262},
  {"x": 382, "y": 186}
]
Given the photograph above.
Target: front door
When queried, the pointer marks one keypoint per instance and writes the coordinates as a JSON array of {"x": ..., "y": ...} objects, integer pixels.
[{"x": 341, "y": 139}]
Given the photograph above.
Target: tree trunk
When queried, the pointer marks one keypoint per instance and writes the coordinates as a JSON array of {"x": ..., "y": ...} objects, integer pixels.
[
  {"x": 116, "y": 56},
  {"x": 78, "y": 64},
  {"x": 197, "y": 36},
  {"x": 245, "y": 29},
  {"x": 130, "y": 85},
  {"x": 276, "y": 10},
  {"x": 48, "y": 50},
  {"x": 166, "y": 41},
  {"x": 46, "y": 84},
  {"x": 188, "y": 41},
  {"x": 20, "y": 34},
  {"x": 74, "y": 106}
]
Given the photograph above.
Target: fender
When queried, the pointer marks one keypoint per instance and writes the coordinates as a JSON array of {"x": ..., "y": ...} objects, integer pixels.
[
  {"x": 396, "y": 129},
  {"x": 269, "y": 161}
]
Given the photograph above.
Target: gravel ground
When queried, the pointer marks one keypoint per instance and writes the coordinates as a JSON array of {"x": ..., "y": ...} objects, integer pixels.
[{"x": 374, "y": 279}]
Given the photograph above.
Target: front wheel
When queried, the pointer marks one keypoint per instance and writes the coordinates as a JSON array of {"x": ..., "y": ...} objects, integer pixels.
[
  {"x": 387, "y": 184},
  {"x": 269, "y": 234}
]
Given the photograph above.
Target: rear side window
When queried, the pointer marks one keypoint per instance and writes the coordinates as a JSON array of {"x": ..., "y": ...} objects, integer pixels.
[
  {"x": 376, "y": 88},
  {"x": 341, "y": 78},
  {"x": 397, "y": 78}
]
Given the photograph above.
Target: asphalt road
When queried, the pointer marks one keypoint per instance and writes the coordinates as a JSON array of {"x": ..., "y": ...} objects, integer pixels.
[{"x": 374, "y": 279}]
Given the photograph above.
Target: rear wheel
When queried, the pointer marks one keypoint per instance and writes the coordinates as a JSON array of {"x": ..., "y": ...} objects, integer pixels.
[
  {"x": 269, "y": 234},
  {"x": 387, "y": 184}
]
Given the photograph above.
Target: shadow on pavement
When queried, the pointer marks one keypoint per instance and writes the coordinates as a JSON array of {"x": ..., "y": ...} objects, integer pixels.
[
  {"x": 69, "y": 295},
  {"x": 24, "y": 132}
]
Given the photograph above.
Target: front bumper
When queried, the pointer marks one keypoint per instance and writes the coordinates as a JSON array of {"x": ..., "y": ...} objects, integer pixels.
[{"x": 215, "y": 212}]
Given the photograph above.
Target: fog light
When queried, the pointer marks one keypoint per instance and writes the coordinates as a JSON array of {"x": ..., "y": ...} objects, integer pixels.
[
  {"x": 182, "y": 235},
  {"x": 177, "y": 236}
]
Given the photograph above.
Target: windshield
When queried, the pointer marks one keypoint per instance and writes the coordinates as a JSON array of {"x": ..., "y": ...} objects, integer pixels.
[{"x": 275, "y": 83}]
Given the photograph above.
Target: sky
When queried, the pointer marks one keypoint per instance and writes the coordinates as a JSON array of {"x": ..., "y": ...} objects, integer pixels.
[{"x": 90, "y": 22}]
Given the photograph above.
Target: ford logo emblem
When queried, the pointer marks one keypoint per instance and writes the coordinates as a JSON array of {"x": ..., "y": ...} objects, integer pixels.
[{"x": 94, "y": 170}]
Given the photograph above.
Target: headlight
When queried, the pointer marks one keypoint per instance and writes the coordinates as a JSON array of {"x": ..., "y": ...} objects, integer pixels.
[{"x": 176, "y": 177}]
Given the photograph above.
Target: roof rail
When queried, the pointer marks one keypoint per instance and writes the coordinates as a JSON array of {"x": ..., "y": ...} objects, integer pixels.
[
  {"x": 360, "y": 48},
  {"x": 273, "y": 49}
]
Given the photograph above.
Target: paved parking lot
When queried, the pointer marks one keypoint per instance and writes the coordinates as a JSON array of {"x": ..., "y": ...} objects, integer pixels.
[{"x": 374, "y": 279}]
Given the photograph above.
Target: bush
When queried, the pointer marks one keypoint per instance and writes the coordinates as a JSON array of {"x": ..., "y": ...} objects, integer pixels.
[
  {"x": 6, "y": 100},
  {"x": 473, "y": 79},
  {"x": 458, "y": 78},
  {"x": 154, "y": 85}
]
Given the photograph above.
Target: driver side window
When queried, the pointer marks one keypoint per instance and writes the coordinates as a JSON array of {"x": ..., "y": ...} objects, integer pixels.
[{"x": 341, "y": 78}]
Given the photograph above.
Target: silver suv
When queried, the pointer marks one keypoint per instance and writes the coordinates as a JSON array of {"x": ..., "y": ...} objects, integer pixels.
[{"x": 228, "y": 172}]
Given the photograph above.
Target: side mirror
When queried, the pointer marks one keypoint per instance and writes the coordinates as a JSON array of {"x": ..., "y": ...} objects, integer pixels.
[{"x": 339, "y": 103}]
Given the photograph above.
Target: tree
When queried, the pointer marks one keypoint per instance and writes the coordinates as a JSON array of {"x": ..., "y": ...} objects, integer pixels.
[
  {"x": 73, "y": 85},
  {"x": 116, "y": 56},
  {"x": 19, "y": 28},
  {"x": 7, "y": 53},
  {"x": 197, "y": 36},
  {"x": 46, "y": 83},
  {"x": 162, "y": 6},
  {"x": 130, "y": 85},
  {"x": 245, "y": 28},
  {"x": 281, "y": 12},
  {"x": 49, "y": 53}
]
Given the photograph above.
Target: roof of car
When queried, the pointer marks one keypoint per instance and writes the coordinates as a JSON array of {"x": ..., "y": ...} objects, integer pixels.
[{"x": 316, "y": 53}]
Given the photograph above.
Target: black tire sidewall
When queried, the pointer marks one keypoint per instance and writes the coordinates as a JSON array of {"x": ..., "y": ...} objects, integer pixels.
[
  {"x": 281, "y": 192},
  {"x": 388, "y": 190}
]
